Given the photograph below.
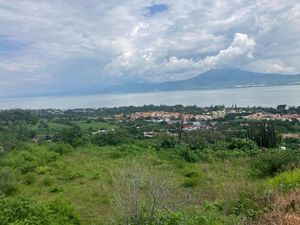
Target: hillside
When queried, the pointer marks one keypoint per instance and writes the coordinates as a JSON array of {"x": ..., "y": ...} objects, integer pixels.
[{"x": 213, "y": 79}]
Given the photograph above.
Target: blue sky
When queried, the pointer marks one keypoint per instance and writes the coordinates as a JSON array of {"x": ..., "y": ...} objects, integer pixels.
[
  {"x": 56, "y": 46},
  {"x": 156, "y": 8}
]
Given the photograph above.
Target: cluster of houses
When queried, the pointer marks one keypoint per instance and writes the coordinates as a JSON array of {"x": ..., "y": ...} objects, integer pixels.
[
  {"x": 268, "y": 116},
  {"x": 170, "y": 117}
]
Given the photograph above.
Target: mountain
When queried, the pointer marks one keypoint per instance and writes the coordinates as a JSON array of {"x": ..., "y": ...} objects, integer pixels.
[{"x": 213, "y": 79}]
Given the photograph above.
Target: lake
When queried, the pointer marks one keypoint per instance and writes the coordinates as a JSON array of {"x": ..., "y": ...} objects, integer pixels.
[{"x": 252, "y": 96}]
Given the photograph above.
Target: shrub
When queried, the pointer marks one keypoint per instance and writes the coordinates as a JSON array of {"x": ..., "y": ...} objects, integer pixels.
[
  {"x": 166, "y": 141},
  {"x": 286, "y": 181},
  {"x": 252, "y": 201},
  {"x": 32, "y": 212},
  {"x": 56, "y": 189},
  {"x": 47, "y": 180},
  {"x": 27, "y": 167},
  {"x": 194, "y": 140},
  {"x": 8, "y": 183},
  {"x": 29, "y": 178},
  {"x": 72, "y": 136},
  {"x": 113, "y": 137},
  {"x": 170, "y": 218},
  {"x": 42, "y": 169},
  {"x": 7, "y": 140},
  {"x": 189, "y": 183},
  {"x": 191, "y": 174},
  {"x": 272, "y": 162},
  {"x": 242, "y": 144},
  {"x": 284, "y": 210},
  {"x": 186, "y": 153},
  {"x": 27, "y": 159},
  {"x": 62, "y": 148},
  {"x": 139, "y": 195}
]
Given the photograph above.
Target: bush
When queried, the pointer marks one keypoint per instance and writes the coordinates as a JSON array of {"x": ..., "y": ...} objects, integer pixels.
[
  {"x": 252, "y": 201},
  {"x": 166, "y": 141},
  {"x": 186, "y": 153},
  {"x": 191, "y": 174},
  {"x": 8, "y": 183},
  {"x": 286, "y": 181},
  {"x": 56, "y": 189},
  {"x": 194, "y": 140},
  {"x": 272, "y": 162},
  {"x": 62, "y": 148},
  {"x": 170, "y": 218},
  {"x": 42, "y": 169},
  {"x": 7, "y": 140},
  {"x": 27, "y": 159},
  {"x": 32, "y": 212},
  {"x": 72, "y": 136},
  {"x": 242, "y": 144},
  {"x": 27, "y": 167},
  {"x": 114, "y": 137},
  {"x": 47, "y": 180},
  {"x": 139, "y": 195},
  {"x": 29, "y": 178},
  {"x": 189, "y": 183}
]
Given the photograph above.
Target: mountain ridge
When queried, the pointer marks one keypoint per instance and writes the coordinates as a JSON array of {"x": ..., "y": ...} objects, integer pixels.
[{"x": 212, "y": 79}]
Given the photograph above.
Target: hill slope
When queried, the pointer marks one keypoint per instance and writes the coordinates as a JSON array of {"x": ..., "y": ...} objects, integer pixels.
[{"x": 213, "y": 79}]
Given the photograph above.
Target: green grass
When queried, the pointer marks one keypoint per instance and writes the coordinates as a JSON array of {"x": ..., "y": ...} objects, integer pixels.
[
  {"x": 83, "y": 124},
  {"x": 84, "y": 177},
  {"x": 95, "y": 125},
  {"x": 286, "y": 181}
]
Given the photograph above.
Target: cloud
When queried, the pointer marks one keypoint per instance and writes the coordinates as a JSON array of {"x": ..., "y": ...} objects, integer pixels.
[
  {"x": 116, "y": 41},
  {"x": 138, "y": 28},
  {"x": 278, "y": 68},
  {"x": 273, "y": 66},
  {"x": 144, "y": 62},
  {"x": 20, "y": 65}
]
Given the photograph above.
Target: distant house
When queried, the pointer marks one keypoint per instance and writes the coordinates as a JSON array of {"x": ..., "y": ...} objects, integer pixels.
[
  {"x": 290, "y": 136},
  {"x": 99, "y": 132},
  {"x": 149, "y": 134}
]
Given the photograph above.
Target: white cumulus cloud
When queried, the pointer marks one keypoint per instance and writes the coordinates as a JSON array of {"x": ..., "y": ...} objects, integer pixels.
[{"x": 155, "y": 66}]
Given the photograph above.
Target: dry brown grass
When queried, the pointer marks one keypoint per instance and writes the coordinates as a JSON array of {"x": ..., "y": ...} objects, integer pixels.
[{"x": 285, "y": 211}]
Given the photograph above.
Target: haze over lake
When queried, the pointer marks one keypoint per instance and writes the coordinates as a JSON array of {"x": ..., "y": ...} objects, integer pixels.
[{"x": 253, "y": 96}]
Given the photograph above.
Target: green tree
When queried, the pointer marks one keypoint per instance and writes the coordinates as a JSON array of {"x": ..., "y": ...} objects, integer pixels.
[
  {"x": 72, "y": 136},
  {"x": 264, "y": 134},
  {"x": 113, "y": 137},
  {"x": 18, "y": 122}
]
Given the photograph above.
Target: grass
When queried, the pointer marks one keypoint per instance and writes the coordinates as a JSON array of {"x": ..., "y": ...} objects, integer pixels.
[
  {"x": 95, "y": 125},
  {"x": 286, "y": 181},
  {"x": 83, "y": 124},
  {"x": 84, "y": 176}
]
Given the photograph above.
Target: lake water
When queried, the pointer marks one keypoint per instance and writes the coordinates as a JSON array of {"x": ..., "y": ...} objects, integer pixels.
[{"x": 253, "y": 96}]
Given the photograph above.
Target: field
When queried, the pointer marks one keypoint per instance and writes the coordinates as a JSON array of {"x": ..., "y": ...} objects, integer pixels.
[
  {"x": 84, "y": 177},
  {"x": 69, "y": 173}
]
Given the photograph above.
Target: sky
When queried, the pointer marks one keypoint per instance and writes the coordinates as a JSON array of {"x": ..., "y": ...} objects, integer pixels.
[{"x": 74, "y": 46}]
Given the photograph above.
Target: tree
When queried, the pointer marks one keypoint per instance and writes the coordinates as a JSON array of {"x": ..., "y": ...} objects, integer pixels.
[
  {"x": 18, "y": 121},
  {"x": 72, "y": 136},
  {"x": 179, "y": 125},
  {"x": 281, "y": 108},
  {"x": 113, "y": 137},
  {"x": 195, "y": 140},
  {"x": 264, "y": 134}
]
